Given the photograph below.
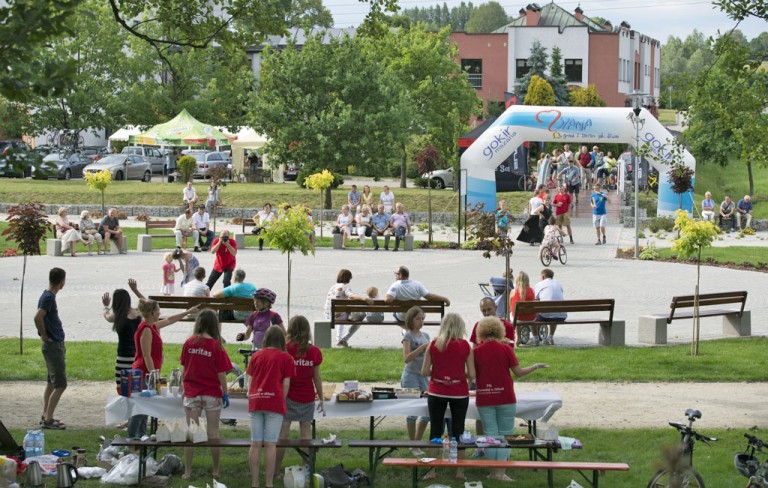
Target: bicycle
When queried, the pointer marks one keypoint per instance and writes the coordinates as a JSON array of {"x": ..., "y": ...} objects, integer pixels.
[
  {"x": 681, "y": 473},
  {"x": 747, "y": 464},
  {"x": 548, "y": 253}
]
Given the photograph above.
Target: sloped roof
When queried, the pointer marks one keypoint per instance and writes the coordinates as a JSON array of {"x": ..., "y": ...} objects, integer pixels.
[{"x": 553, "y": 15}]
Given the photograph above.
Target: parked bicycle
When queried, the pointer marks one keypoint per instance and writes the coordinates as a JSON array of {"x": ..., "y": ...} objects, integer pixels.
[
  {"x": 681, "y": 473},
  {"x": 747, "y": 464}
]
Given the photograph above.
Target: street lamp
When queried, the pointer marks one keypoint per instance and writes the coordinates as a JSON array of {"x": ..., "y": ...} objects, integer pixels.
[{"x": 637, "y": 123}]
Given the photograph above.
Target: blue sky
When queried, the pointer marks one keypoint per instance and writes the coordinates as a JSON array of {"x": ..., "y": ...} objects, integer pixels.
[{"x": 656, "y": 18}]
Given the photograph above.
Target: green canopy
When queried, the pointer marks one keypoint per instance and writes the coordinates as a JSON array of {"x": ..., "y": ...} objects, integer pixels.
[{"x": 182, "y": 130}]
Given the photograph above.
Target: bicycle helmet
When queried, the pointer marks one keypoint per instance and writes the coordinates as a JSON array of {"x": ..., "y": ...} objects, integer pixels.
[
  {"x": 746, "y": 464},
  {"x": 265, "y": 294}
]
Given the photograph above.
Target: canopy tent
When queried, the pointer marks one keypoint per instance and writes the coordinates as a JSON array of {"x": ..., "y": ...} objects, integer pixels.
[
  {"x": 246, "y": 138},
  {"x": 182, "y": 130},
  {"x": 125, "y": 132}
]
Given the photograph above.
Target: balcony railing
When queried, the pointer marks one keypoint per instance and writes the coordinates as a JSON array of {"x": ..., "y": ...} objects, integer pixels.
[{"x": 475, "y": 79}]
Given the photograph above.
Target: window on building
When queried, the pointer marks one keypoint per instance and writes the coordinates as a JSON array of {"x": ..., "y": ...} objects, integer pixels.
[
  {"x": 573, "y": 70},
  {"x": 474, "y": 70},
  {"x": 522, "y": 68}
]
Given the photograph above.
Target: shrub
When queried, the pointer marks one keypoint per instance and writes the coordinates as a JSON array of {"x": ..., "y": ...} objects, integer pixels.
[
  {"x": 470, "y": 245},
  {"x": 649, "y": 253},
  {"x": 747, "y": 231},
  {"x": 661, "y": 223},
  {"x": 187, "y": 165},
  {"x": 422, "y": 182},
  {"x": 338, "y": 180}
]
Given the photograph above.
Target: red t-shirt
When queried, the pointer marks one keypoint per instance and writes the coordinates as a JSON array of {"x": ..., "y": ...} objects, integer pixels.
[
  {"x": 529, "y": 297},
  {"x": 203, "y": 358},
  {"x": 493, "y": 361},
  {"x": 302, "y": 388},
  {"x": 156, "y": 353},
  {"x": 585, "y": 159},
  {"x": 449, "y": 377},
  {"x": 224, "y": 260},
  {"x": 509, "y": 330},
  {"x": 267, "y": 369},
  {"x": 566, "y": 199}
]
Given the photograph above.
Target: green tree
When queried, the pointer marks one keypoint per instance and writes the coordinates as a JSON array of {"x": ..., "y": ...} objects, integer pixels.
[
  {"x": 557, "y": 77},
  {"x": 741, "y": 9},
  {"x": 537, "y": 63},
  {"x": 486, "y": 18},
  {"x": 428, "y": 160},
  {"x": 727, "y": 115},
  {"x": 320, "y": 182},
  {"x": 586, "y": 97},
  {"x": 539, "y": 92}
]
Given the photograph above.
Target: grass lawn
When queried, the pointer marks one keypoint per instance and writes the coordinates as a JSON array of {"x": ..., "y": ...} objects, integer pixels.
[
  {"x": 736, "y": 255},
  {"x": 640, "y": 448},
  {"x": 732, "y": 180},
  {"x": 720, "y": 360},
  {"x": 667, "y": 116}
]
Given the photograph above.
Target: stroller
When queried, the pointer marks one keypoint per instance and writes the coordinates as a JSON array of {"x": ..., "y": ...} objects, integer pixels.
[{"x": 494, "y": 290}]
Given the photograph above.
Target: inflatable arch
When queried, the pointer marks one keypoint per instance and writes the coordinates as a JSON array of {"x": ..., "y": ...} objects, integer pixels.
[{"x": 566, "y": 125}]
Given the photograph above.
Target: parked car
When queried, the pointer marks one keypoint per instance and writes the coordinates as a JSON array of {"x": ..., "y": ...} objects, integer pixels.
[
  {"x": 122, "y": 167},
  {"x": 94, "y": 153},
  {"x": 291, "y": 172},
  {"x": 20, "y": 153},
  {"x": 443, "y": 178},
  {"x": 208, "y": 160},
  {"x": 64, "y": 166},
  {"x": 151, "y": 154}
]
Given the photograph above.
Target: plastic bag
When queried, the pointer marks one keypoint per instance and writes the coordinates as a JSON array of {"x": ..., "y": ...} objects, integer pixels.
[
  {"x": 86, "y": 472},
  {"x": 169, "y": 465},
  {"x": 295, "y": 477},
  {"x": 197, "y": 431},
  {"x": 126, "y": 472},
  {"x": 574, "y": 485},
  {"x": 178, "y": 431}
]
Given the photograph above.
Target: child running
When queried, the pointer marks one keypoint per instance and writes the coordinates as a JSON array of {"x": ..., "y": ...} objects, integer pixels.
[
  {"x": 551, "y": 233},
  {"x": 270, "y": 372},
  {"x": 260, "y": 320},
  {"x": 205, "y": 363},
  {"x": 415, "y": 343},
  {"x": 169, "y": 274}
]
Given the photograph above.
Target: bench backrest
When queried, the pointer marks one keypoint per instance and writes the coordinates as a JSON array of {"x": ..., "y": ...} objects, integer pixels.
[
  {"x": 350, "y": 306},
  {"x": 564, "y": 306},
  {"x": 248, "y": 222},
  {"x": 159, "y": 224},
  {"x": 708, "y": 299},
  {"x": 220, "y": 303}
]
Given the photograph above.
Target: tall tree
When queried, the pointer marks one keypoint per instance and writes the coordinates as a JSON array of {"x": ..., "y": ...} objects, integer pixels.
[
  {"x": 557, "y": 77},
  {"x": 486, "y": 18},
  {"x": 727, "y": 110},
  {"x": 741, "y": 9},
  {"x": 537, "y": 63}
]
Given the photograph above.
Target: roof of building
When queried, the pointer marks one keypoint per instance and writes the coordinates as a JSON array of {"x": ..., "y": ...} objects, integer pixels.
[
  {"x": 300, "y": 36},
  {"x": 553, "y": 15}
]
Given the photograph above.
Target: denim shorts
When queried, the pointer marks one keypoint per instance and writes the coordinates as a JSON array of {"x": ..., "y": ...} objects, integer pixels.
[
  {"x": 265, "y": 426},
  {"x": 413, "y": 380}
]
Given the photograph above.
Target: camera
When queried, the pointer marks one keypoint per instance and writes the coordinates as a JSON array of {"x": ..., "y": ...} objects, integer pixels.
[{"x": 225, "y": 238}]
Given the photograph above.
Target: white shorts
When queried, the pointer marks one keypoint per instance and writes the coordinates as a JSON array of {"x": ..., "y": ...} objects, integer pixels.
[{"x": 599, "y": 220}]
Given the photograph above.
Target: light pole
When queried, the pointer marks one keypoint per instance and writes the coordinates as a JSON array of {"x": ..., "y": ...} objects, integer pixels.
[{"x": 637, "y": 122}]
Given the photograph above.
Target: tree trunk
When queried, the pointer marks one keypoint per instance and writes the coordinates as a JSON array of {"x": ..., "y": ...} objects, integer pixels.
[
  {"x": 506, "y": 286},
  {"x": 289, "y": 291},
  {"x": 321, "y": 216},
  {"x": 328, "y": 201},
  {"x": 403, "y": 167},
  {"x": 429, "y": 210},
  {"x": 751, "y": 179},
  {"x": 696, "y": 318},
  {"x": 21, "y": 307}
]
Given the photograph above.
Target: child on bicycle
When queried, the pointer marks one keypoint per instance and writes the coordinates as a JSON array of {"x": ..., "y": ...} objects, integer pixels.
[{"x": 551, "y": 234}]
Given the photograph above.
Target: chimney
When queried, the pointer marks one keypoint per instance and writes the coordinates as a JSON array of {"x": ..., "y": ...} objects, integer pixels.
[
  {"x": 532, "y": 15},
  {"x": 608, "y": 26},
  {"x": 522, "y": 13},
  {"x": 579, "y": 14}
]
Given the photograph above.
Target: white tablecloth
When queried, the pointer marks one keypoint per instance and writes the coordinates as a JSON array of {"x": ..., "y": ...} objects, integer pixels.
[{"x": 530, "y": 406}]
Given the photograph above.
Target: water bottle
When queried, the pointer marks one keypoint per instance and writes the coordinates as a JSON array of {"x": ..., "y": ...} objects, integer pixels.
[
  {"x": 39, "y": 443},
  {"x": 454, "y": 451},
  {"x": 446, "y": 447},
  {"x": 28, "y": 444}
]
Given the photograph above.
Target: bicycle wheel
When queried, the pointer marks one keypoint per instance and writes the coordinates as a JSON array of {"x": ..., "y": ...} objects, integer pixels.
[
  {"x": 524, "y": 333},
  {"x": 545, "y": 256},
  {"x": 562, "y": 255},
  {"x": 666, "y": 478},
  {"x": 522, "y": 183}
]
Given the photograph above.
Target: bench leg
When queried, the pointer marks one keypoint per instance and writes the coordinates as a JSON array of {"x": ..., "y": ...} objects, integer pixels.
[
  {"x": 144, "y": 243},
  {"x": 735, "y": 326},
  {"x": 408, "y": 243},
  {"x": 338, "y": 240},
  {"x": 322, "y": 335},
  {"x": 652, "y": 329},
  {"x": 53, "y": 247},
  {"x": 240, "y": 240},
  {"x": 612, "y": 335}
]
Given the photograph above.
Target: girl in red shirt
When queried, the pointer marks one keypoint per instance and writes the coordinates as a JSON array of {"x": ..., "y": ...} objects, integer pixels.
[
  {"x": 205, "y": 363},
  {"x": 449, "y": 364},
  {"x": 496, "y": 401},
  {"x": 149, "y": 350},
  {"x": 524, "y": 293},
  {"x": 269, "y": 374},
  {"x": 300, "y": 404}
]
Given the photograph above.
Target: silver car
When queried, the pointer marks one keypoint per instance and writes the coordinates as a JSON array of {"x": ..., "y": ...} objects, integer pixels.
[
  {"x": 151, "y": 154},
  {"x": 442, "y": 178},
  {"x": 122, "y": 167},
  {"x": 208, "y": 160}
]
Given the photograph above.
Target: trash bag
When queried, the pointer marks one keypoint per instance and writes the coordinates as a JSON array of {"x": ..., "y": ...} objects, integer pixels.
[
  {"x": 170, "y": 465},
  {"x": 126, "y": 472},
  {"x": 337, "y": 477}
]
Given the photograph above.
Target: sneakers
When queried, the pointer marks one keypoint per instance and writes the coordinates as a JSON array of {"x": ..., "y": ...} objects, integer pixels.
[
  {"x": 598, "y": 242},
  {"x": 197, "y": 249},
  {"x": 549, "y": 341},
  {"x": 603, "y": 239},
  {"x": 375, "y": 248},
  {"x": 395, "y": 250},
  {"x": 571, "y": 240},
  {"x": 533, "y": 342},
  {"x": 478, "y": 453},
  {"x": 417, "y": 452}
]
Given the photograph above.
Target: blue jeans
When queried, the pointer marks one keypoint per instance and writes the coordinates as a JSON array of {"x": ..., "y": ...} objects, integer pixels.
[
  {"x": 137, "y": 426},
  {"x": 265, "y": 426},
  {"x": 399, "y": 233},
  {"x": 498, "y": 421},
  {"x": 208, "y": 234},
  {"x": 414, "y": 380}
]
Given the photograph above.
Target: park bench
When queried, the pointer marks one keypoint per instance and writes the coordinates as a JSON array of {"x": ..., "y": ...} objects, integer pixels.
[
  {"x": 217, "y": 304},
  {"x": 144, "y": 241},
  {"x": 307, "y": 448},
  {"x": 322, "y": 332},
  {"x": 652, "y": 329},
  {"x": 406, "y": 241},
  {"x": 247, "y": 226},
  {"x": 580, "y": 467},
  {"x": 54, "y": 247},
  {"x": 611, "y": 331}
]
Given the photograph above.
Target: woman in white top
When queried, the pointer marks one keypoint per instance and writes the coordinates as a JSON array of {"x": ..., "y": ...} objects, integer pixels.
[
  {"x": 343, "y": 223},
  {"x": 364, "y": 224},
  {"x": 387, "y": 198},
  {"x": 189, "y": 196},
  {"x": 341, "y": 291},
  {"x": 67, "y": 232}
]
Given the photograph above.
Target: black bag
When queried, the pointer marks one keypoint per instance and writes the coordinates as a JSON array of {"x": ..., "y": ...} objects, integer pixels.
[
  {"x": 337, "y": 477},
  {"x": 226, "y": 315},
  {"x": 336, "y": 229}
]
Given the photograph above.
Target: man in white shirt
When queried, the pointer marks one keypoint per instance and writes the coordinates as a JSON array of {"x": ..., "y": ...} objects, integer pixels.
[
  {"x": 202, "y": 224},
  {"x": 406, "y": 289},
  {"x": 189, "y": 196},
  {"x": 196, "y": 287},
  {"x": 548, "y": 290},
  {"x": 185, "y": 227}
]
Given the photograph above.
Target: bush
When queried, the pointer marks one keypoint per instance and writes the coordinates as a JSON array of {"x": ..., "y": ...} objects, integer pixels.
[
  {"x": 187, "y": 165},
  {"x": 423, "y": 182},
  {"x": 649, "y": 253},
  {"x": 338, "y": 180},
  {"x": 661, "y": 223}
]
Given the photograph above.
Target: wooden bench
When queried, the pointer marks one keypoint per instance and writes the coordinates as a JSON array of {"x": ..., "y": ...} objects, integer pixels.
[
  {"x": 247, "y": 222},
  {"x": 596, "y": 468},
  {"x": 54, "y": 247},
  {"x": 307, "y": 448},
  {"x": 144, "y": 241},
  {"x": 611, "y": 331},
  {"x": 217, "y": 304},
  {"x": 406, "y": 241},
  {"x": 378, "y": 450},
  {"x": 652, "y": 329},
  {"x": 322, "y": 332}
]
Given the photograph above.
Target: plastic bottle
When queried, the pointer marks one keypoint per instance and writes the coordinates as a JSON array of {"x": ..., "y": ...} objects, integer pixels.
[
  {"x": 29, "y": 444},
  {"x": 454, "y": 455},
  {"x": 446, "y": 447},
  {"x": 40, "y": 446}
]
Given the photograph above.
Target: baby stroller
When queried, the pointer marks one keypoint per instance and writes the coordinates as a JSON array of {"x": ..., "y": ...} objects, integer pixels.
[{"x": 494, "y": 289}]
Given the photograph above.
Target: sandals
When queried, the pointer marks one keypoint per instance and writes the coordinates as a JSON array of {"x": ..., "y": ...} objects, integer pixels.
[{"x": 53, "y": 424}]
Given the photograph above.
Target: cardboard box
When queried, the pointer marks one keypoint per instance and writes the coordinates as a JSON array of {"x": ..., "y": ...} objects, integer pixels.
[{"x": 130, "y": 382}]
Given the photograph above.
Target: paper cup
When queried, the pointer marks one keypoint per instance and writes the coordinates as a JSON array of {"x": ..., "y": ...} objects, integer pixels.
[
  {"x": 164, "y": 391},
  {"x": 175, "y": 391}
]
